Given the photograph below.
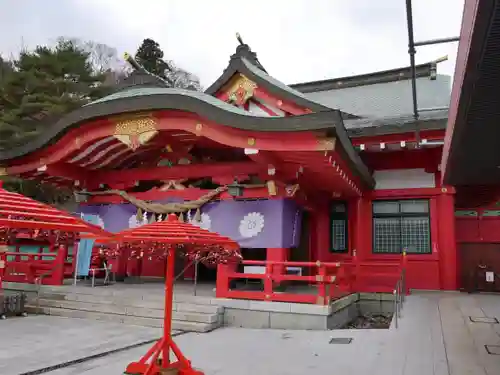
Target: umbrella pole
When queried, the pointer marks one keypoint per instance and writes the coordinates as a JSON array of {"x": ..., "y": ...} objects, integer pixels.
[
  {"x": 149, "y": 364},
  {"x": 169, "y": 296}
]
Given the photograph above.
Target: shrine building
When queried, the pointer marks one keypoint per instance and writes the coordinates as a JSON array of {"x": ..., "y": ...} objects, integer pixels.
[
  {"x": 315, "y": 171},
  {"x": 470, "y": 159}
]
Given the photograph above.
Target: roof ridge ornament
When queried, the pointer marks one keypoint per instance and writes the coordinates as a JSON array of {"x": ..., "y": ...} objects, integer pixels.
[
  {"x": 244, "y": 51},
  {"x": 238, "y": 37},
  {"x": 140, "y": 77}
]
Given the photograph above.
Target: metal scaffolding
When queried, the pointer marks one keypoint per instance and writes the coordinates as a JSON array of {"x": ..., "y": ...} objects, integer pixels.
[{"x": 412, "y": 51}]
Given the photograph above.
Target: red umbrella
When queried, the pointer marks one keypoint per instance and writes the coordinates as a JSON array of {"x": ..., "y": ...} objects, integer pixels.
[
  {"x": 24, "y": 217},
  {"x": 173, "y": 235},
  {"x": 18, "y": 211}
]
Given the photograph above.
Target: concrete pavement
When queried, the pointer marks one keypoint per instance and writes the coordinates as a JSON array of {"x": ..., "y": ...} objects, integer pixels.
[{"x": 435, "y": 337}]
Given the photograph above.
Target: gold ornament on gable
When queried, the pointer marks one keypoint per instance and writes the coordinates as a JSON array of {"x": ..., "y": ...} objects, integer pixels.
[
  {"x": 241, "y": 90},
  {"x": 135, "y": 131}
]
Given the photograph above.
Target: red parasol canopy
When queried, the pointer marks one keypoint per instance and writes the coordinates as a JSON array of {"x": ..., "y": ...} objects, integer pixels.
[
  {"x": 174, "y": 232},
  {"x": 20, "y": 212},
  {"x": 188, "y": 239}
]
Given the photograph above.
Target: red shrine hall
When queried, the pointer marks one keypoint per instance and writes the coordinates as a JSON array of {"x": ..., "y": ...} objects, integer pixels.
[{"x": 325, "y": 171}]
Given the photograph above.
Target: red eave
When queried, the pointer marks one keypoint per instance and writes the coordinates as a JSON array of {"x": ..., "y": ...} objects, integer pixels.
[
  {"x": 468, "y": 23},
  {"x": 17, "y": 211}
]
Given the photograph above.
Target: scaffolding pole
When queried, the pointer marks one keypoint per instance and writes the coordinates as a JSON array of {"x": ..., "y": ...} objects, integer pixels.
[{"x": 412, "y": 51}]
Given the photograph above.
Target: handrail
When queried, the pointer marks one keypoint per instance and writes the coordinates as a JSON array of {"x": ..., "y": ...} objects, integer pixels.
[
  {"x": 19, "y": 253},
  {"x": 399, "y": 296},
  {"x": 326, "y": 276},
  {"x": 332, "y": 279},
  {"x": 106, "y": 270},
  {"x": 290, "y": 263}
]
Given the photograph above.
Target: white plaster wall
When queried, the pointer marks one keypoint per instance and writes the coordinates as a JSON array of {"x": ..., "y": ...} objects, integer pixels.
[
  {"x": 403, "y": 179},
  {"x": 255, "y": 110}
]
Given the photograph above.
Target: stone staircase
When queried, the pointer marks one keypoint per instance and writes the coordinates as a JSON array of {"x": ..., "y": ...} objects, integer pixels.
[{"x": 192, "y": 314}]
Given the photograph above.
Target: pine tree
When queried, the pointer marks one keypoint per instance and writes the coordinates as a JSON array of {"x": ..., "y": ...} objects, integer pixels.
[
  {"x": 45, "y": 82},
  {"x": 35, "y": 90},
  {"x": 150, "y": 56}
]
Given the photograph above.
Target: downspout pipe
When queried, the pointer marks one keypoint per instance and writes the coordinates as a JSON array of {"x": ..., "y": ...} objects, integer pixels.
[{"x": 412, "y": 52}]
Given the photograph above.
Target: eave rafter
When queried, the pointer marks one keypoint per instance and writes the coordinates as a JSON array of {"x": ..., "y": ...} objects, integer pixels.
[
  {"x": 171, "y": 121},
  {"x": 312, "y": 169}
]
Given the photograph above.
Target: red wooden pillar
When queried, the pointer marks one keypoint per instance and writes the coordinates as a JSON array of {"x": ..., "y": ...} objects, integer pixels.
[
  {"x": 322, "y": 292},
  {"x": 58, "y": 274},
  {"x": 278, "y": 255},
  {"x": 362, "y": 228},
  {"x": 448, "y": 259},
  {"x": 222, "y": 281}
]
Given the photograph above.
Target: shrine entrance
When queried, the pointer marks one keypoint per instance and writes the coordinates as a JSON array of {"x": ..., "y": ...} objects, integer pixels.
[{"x": 480, "y": 267}]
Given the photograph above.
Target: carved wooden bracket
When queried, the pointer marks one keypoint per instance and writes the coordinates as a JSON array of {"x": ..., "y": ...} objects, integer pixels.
[{"x": 174, "y": 184}]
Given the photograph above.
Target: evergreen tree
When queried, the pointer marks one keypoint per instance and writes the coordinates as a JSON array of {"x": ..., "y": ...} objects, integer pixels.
[
  {"x": 150, "y": 56},
  {"x": 47, "y": 81},
  {"x": 5, "y": 69},
  {"x": 35, "y": 90}
]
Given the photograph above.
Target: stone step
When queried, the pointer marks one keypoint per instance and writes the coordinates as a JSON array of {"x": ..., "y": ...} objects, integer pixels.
[
  {"x": 192, "y": 316},
  {"x": 177, "y": 325},
  {"x": 110, "y": 294},
  {"x": 194, "y": 306}
]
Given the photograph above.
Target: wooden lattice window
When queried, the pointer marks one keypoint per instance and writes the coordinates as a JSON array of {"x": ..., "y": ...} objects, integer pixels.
[
  {"x": 338, "y": 228},
  {"x": 401, "y": 225}
]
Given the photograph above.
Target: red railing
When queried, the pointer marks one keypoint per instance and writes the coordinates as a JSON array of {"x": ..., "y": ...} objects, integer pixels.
[
  {"x": 325, "y": 280},
  {"x": 27, "y": 267}
]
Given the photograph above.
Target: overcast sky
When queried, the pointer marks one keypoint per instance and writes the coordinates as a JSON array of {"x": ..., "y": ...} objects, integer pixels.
[{"x": 296, "y": 40}]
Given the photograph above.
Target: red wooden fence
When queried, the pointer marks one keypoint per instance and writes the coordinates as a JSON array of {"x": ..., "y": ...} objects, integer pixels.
[
  {"x": 325, "y": 280},
  {"x": 28, "y": 267}
]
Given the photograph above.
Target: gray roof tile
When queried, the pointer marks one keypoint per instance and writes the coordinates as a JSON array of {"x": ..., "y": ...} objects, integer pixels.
[{"x": 387, "y": 99}]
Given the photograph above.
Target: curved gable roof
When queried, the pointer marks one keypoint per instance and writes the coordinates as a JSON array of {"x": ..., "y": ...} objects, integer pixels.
[
  {"x": 141, "y": 99},
  {"x": 245, "y": 61}
]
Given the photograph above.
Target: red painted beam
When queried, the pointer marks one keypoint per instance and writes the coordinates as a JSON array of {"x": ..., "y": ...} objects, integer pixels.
[
  {"x": 430, "y": 135},
  {"x": 70, "y": 171},
  {"x": 269, "y": 141},
  {"x": 263, "y": 107},
  {"x": 408, "y": 193},
  {"x": 285, "y": 106},
  {"x": 405, "y": 159},
  {"x": 177, "y": 172},
  {"x": 266, "y": 97},
  {"x": 186, "y": 194}
]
